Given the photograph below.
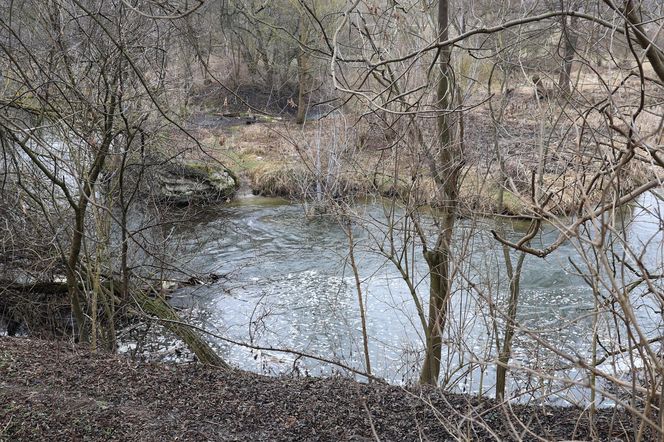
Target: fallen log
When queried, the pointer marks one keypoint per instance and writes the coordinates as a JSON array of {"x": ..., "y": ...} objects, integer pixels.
[
  {"x": 157, "y": 307},
  {"x": 47, "y": 287}
]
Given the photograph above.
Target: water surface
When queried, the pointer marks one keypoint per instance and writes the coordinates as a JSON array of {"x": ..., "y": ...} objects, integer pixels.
[{"x": 288, "y": 284}]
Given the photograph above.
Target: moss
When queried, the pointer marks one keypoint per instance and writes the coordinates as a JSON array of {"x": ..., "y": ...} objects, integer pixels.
[
  {"x": 209, "y": 168},
  {"x": 201, "y": 166},
  {"x": 240, "y": 162}
]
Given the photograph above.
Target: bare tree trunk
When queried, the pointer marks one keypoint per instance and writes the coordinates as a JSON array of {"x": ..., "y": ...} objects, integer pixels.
[
  {"x": 303, "y": 73},
  {"x": 303, "y": 87},
  {"x": 438, "y": 261},
  {"x": 72, "y": 277},
  {"x": 568, "y": 40},
  {"x": 655, "y": 55},
  {"x": 505, "y": 352},
  {"x": 446, "y": 174},
  {"x": 89, "y": 184},
  {"x": 360, "y": 301},
  {"x": 504, "y": 349}
]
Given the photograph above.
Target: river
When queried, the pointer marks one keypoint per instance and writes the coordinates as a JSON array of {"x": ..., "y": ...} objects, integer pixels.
[{"x": 288, "y": 284}]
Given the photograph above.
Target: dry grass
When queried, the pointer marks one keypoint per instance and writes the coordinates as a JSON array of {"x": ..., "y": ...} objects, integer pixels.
[{"x": 357, "y": 156}]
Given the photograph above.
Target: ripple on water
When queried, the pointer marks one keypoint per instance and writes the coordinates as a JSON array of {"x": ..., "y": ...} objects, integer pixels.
[{"x": 290, "y": 288}]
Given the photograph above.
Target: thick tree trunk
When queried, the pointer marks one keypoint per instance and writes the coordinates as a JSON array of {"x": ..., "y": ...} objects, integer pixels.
[
  {"x": 446, "y": 173},
  {"x": 568, "y": 41},
  {"x": 653, "y": 52},
  {"x": 439, "y": 292}
]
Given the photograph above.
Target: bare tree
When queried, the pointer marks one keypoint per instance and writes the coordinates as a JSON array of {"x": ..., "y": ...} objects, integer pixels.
[{"x": 84, "y": 84}]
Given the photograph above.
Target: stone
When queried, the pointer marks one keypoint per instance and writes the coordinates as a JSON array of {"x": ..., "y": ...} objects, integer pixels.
[{"x": 194, "y": 182}]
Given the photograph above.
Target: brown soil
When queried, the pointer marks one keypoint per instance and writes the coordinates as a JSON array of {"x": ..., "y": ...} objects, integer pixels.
[{"x": 56, "y": 391}]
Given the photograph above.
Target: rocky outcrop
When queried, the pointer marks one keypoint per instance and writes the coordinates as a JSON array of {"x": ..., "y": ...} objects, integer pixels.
[{"x": 194, "y": 182}]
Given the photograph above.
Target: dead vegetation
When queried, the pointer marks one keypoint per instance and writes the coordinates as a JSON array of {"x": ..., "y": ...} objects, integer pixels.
[
  {"x": 56, "y": 391},
  {"x": 276, "y": 157}
]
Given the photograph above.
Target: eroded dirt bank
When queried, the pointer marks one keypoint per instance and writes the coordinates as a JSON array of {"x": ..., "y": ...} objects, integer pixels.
[{"x": 55, "y": 391}]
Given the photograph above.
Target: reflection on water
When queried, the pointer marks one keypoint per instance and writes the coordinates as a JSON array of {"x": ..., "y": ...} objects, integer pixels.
[{"x": 289, "y": 285}]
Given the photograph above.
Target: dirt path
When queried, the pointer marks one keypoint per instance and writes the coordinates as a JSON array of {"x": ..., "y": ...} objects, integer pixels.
[{"x": 54, "y": 391}]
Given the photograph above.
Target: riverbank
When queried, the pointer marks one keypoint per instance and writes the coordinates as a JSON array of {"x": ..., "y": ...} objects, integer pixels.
[
  {"x": 56, "y": 391},
  {"x": 341, "y": 155}
]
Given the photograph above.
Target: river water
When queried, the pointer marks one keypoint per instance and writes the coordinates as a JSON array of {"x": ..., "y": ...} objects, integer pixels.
[{"x": 288, "y": 284}]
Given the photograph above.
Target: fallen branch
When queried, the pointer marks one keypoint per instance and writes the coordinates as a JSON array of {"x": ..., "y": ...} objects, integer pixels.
[{"x": 279, "y": 350}]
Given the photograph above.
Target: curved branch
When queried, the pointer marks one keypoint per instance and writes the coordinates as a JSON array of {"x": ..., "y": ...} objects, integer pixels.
[
  {"x": 165, "y": 17},
  {"x": 571, "y": 231},
  {"x": 436, "y": 45}
]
